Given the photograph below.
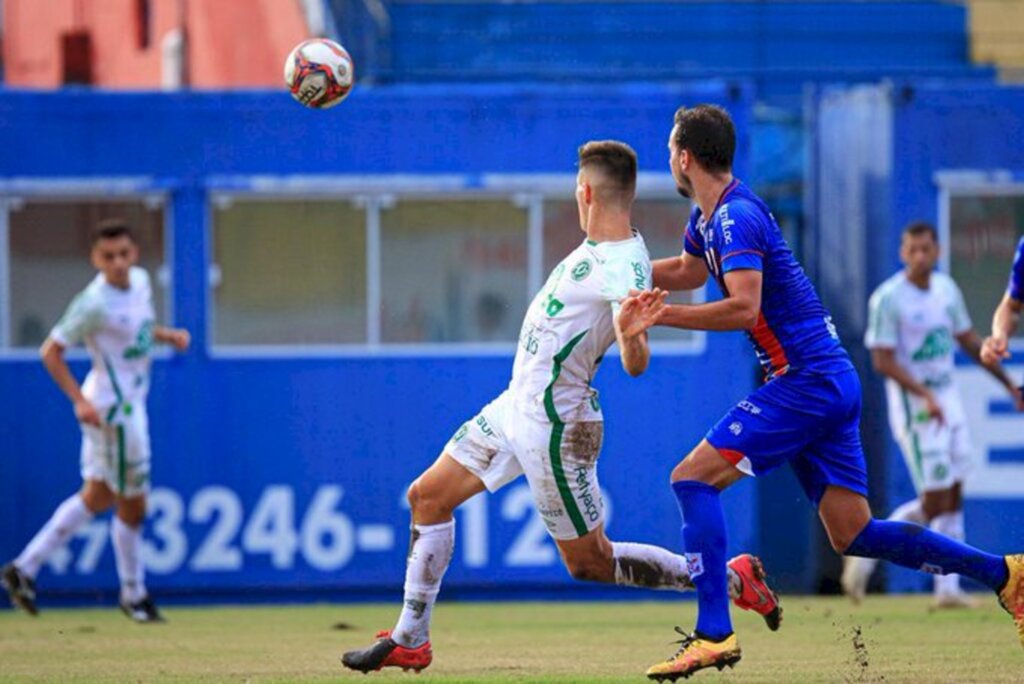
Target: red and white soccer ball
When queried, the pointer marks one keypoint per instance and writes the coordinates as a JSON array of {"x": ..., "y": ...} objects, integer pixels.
[{"x": 319, "y": 73}]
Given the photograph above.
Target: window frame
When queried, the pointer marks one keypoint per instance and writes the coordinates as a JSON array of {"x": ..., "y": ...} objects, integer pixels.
[
  {"x": 955, "y": 183},
  {"x": 374, "y": 193},
  {"x": 18, "y": 191}
]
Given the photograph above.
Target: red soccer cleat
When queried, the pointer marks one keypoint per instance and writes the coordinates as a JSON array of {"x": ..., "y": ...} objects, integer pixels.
[
  {"x": 755, "y": 594},
  {"x": 386, "y": 653}
]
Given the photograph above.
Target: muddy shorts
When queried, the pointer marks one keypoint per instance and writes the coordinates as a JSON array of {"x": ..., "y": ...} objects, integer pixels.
[{"x": 559, "y": 460}]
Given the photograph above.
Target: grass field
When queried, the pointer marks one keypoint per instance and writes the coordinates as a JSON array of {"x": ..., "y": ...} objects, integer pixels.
[{"x": 821, "y": 640}]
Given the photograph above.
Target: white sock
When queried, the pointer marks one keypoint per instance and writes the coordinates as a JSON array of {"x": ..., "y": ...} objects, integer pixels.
[
  {"x": 69, "y": 517},
  {"x": 127, "y": 545},
  {"x": 429, "y": 554},
  {"x": 952, "y": 526},
  {"x": 652, "y": 567}
]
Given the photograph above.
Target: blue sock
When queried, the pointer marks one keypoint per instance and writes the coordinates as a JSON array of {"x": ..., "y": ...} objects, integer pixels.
[
  {"x": 918, "y": 548},
  {"x": 704, "y": 541}
]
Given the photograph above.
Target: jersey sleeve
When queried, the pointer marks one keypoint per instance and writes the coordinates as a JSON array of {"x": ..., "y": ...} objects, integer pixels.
[
  {"x": 743, "y": 241},
  {"x": 693, "y": 241},
  {"x": 625, "y": 274},
  {"x": 83, "y": 317},
  {"x": 883, "y": 321},
  {"x": 1016, "y": 286},
  {"x": 961, "y": 318}
]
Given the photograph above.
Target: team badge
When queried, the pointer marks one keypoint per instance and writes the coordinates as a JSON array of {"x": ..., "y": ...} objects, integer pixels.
[
  {"x": 582, "y": 270},
  {"x": 736, "y": 428}
]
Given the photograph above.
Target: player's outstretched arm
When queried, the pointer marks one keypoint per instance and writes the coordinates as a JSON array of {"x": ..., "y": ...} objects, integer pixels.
[
  {"x": 178, "y": 338},
  {"x": 683, "y": 272},
  {"x": 1004, "y": 324},
  {"x": 971, "y": 343},
  {"x": 740, "y": 310},
  {"x": 52, "y": 353}
]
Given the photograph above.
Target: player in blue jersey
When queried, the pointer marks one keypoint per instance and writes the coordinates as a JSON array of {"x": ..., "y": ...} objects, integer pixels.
[
  {"x": 1007, "y": 316},
  {"x": 806, "y": 414}
]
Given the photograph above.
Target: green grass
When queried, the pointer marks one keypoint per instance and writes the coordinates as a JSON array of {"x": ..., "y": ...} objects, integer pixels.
[{"x": 539, "y": 642}]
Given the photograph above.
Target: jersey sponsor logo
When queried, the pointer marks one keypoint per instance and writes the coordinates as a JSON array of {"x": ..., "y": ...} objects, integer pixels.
[
  {"x": 581, "y": 270},
  {"x": 937, "y": 343},
  {"x": 485, "y": 427},
  {"x": 694, "y": 565},
  {"x": 726, "y": 224},
  {"x": 831, "y": 327},
  {"x": 460, "y": 433},
  {"x": 143, "y": 343},
  {"x": 640, "y": 278},
  {"x": 749, "y": 407},
  {"x": 736, "y": 427}
]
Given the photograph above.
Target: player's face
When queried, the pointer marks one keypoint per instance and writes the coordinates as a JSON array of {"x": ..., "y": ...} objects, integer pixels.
[
  {"x": 919, "y": 253},
  {"x": 113, "y": 258},
  {"x": 675, "y": 160}
]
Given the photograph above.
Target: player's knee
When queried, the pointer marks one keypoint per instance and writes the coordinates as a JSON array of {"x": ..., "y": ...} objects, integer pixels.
[
  {"x": 426, "y": 504},
  {"x": 97, "y": 497},
  {"x": 586, "y": 569}
]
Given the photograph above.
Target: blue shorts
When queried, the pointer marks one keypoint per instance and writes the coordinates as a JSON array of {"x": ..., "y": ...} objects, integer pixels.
[{"x": 810, "y": 420}]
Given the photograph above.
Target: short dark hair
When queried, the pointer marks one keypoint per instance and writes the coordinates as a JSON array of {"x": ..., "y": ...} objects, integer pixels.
[
  {"x": 617, "y": 161},
  {"x": 111, "y": 229},
  {"x": 708, "y": 133},
  {"x": 919, "y": 228}
]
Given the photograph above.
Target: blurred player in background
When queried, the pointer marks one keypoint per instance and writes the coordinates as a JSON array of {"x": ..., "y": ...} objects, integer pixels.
[
  {"x": 548, "y": 425},
  {"x": 114, "y": 317},
  {"x": 913, "y": 319},
  {"x": 807, "y": 413},
  {"x": 1007, "y": 316}
]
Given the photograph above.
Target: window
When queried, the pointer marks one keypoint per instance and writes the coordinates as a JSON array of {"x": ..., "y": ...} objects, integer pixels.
[
  {"x": 49, "y": 257},
  {"x": 661, "y": 222},
  {"x": 453, "y": 271},
  {"x": 290, "y": 272},
  {"x": 983, "y": 233}
]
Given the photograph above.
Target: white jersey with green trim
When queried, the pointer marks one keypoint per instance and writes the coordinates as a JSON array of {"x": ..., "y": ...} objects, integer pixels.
[
  {"x": 569, "y": 327},
  {"x": 920, "y": 325},
  {"x": 116, "y": 327}
]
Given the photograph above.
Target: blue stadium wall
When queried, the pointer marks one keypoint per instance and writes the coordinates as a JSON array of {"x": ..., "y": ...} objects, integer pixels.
[
  {"x": 878, "y": 157},
  {"x": 284, "y": 477}
]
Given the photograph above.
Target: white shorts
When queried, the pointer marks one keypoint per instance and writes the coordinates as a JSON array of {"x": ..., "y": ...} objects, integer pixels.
[
  {"x": 118, "y": 452},
  {"x": 937, "y": 455},
  {"x": 559, "y": 460}
]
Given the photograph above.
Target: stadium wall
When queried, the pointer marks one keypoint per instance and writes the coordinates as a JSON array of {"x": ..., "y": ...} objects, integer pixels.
[
  {"x": 883, "y": 156},
  {"x": 282, "y": 474}
]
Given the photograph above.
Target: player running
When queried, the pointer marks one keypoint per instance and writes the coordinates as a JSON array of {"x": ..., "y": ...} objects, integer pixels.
[
  {"x": 115, "y": 319},
  {"x": 913, "y": 320},
  {"x": 1007, "y": 316},
  {"x": 807, "y": 413},
  {"x": 548, "y": 426}
]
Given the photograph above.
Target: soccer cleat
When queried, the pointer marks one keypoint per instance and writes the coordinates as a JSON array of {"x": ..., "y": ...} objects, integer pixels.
[
  {"x": 142, "y": 612},
  {"x": 1011, "y": 596},
  {"x": 854, "y": 580},
  {"x": 20, "y": 588},
  {"x": 755, "y": 594},
  {"x": 386, "y": 653},
  {"x": 696, "y": 653},
  {"x": 951, "y": 600}
]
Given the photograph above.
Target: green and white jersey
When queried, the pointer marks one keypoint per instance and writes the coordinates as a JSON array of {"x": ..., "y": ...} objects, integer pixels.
[
  {"x": 920, "y": 325},
  {"x": 116, "y": 327},
  {"x": 569, "y": 327}
]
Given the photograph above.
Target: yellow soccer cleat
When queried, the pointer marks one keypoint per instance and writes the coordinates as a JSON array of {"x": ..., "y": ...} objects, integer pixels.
[
  {"x": 696, "y": 654},
  {"x": 1011, "y": 596}
]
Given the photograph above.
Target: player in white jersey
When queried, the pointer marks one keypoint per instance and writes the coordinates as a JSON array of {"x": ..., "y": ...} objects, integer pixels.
[
  {"x": 114, "y": 317},
  {"x": 548, "y": 426},
  {"x": 914, "y": 321}
]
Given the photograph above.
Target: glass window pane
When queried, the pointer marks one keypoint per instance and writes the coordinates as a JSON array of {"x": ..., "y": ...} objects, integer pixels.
[
  {"x": 291, "y": 272},
  {"x": 453, "y": 271},
  {"x": 50, "y": 264},
  {"x": 660, "y": 221},
  {"x": 983, "y": 236}
]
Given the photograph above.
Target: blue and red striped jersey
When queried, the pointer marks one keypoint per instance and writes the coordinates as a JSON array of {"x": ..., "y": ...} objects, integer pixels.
[
  {"x": 1016, "y": 287},
  {"x": 794, "y": 330}
]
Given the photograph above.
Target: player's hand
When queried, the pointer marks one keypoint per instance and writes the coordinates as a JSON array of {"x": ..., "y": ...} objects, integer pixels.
[
  {"x": 994, "y": 349},
  {"x": 179, "y": 338},
  {"x": 86, "y": 413},
  {"x": 640, "y": 311},
  {"x": 933, "y": 409}
]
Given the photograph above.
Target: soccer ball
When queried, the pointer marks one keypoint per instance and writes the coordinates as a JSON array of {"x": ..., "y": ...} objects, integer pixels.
[{"x": 319, "y": 73}]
